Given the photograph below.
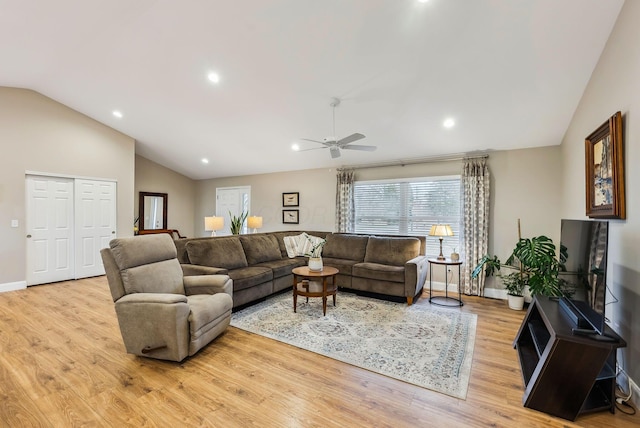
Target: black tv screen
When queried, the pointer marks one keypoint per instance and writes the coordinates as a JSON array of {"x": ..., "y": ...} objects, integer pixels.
[{"x": 584, "y": 243}]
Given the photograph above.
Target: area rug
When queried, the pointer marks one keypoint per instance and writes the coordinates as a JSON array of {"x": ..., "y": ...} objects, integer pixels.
[{"x": 419, "y": 344}]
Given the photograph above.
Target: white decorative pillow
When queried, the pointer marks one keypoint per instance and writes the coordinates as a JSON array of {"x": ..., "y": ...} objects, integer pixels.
[
  {"x": 300, "y": 245},
  {"x": 306, "y": 243}
]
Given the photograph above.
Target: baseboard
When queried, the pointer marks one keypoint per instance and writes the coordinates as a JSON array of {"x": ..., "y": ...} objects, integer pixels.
[
  {"x": 492, "y": 293},
  {"x": 12, "y": 286},
  {"x": 495, "y": 293}
]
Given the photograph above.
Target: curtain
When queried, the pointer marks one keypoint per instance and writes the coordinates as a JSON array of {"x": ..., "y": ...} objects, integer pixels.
[
  {"x": 475, "y": 227},
  {"x": 345, "y": 209}
]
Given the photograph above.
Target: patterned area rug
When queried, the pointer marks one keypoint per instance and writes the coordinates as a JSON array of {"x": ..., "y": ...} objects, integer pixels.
[{"x": 420, "y": 344}]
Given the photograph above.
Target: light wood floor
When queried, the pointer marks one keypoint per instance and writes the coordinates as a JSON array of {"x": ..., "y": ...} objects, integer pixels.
[{"x": 62, "y": 363}]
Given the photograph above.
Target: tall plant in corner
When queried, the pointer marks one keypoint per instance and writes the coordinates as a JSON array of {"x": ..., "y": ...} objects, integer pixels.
[
  {"x": 533, "y": 260},
  {"x": 237, "y": 222}
]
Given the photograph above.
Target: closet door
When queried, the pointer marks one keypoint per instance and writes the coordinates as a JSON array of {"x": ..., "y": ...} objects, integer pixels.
[
  {"x": 50, "y": 229},
  {"x": 95, "y": 225}
]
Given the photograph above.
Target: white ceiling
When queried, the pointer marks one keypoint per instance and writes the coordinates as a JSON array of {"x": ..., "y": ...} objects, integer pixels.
[{"x": 511, "y": 73}]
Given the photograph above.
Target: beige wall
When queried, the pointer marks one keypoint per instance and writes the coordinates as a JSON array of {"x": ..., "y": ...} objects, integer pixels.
[
  {"x": 514, "y": 196},
  {"x": 152, "y": 177},
  {"x": 41, "y": 135},
  {"x": 317, "y": 189},
  {"x": 614, "y": 86}
]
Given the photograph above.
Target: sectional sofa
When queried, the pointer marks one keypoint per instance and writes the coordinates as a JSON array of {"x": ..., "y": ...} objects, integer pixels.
[{"x": 259, "y": 264}]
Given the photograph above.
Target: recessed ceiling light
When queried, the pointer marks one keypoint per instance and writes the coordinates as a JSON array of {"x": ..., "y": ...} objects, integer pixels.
[
  {"x": 449, "y": 123},
  {"x": 295, "y": 147},
  {"x": 117, "y": 114},
  {"x": 213, "y": 77},
  {"x": 422, "y": 1},
  {"x": 205, "y": 160}
]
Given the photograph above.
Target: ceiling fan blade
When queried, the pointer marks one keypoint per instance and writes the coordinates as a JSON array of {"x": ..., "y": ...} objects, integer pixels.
[
  {"x": 324, "y": 143},
  {"x": 335, "y": 152},
  {"x": 359, "y": 147},
  {"x": 314, "y": 148},
  {"x": 351, "y": 138}
]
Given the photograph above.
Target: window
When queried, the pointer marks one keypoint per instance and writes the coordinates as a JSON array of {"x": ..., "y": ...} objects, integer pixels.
[{"x": 409, "y": 207}]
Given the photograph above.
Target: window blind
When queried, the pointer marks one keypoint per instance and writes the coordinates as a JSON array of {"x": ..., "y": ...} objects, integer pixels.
[{"x": 410, "y": 207}]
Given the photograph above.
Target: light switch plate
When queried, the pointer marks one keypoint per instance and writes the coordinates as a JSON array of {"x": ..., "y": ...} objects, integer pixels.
[{"x": 14, "y": 223}]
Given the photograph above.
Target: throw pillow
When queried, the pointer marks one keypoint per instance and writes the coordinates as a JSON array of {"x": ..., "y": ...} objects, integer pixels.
[{"x": 291, "y": 244}]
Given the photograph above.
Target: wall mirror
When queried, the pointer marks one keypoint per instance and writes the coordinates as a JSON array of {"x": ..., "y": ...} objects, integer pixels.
[{"x": 153, "y": 211}]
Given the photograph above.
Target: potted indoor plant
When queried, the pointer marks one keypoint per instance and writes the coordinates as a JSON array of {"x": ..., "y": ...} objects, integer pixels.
[
  {"x": 533, "y": 260},
  {"x": 237, "y": 222},
  {"x": 515, "y": 283}
]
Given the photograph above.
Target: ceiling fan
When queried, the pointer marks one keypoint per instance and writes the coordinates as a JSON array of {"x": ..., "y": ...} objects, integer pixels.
[{"x": 333, "y": 144}]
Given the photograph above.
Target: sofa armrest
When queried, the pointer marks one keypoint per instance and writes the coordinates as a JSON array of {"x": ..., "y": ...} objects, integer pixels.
[
  {"x": 208, "y": 284},
  {"x": 415, "y": 275},
  {"x": 192, "y": 270},
  {"x": 164, "y": 298}
]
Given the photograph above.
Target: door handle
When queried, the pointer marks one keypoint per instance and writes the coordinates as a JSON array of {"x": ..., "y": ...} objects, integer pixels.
[{"x": 28, "y": 236}]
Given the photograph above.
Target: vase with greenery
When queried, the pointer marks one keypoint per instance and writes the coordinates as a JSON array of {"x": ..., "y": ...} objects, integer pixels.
[
  {"x": 237, "y": 222},
  {"x": 314, "y": 254}
]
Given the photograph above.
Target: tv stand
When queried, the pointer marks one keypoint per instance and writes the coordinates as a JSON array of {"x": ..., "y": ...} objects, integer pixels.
[{"x": 565, "y": 374}]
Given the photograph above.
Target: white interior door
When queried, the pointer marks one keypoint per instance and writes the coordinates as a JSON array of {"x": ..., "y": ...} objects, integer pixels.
[
  {"x": 50, "y": 229},
  {"x": 235, "y": 200},
  {"x": 95, "y": 226}
]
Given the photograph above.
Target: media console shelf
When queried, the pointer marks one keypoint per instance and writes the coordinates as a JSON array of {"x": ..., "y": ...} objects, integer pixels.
[{"x": 565, "y": 375}]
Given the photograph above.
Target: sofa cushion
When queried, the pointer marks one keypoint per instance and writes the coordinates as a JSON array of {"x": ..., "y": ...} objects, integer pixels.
[
  {"x": 225, "y": 252},
  {"x": 247, "y": 277},
  {"x": 283, "y": 267},
  {"x": 158, "y": 277},
  {"x": 379, "y": 271},
  {"x": 344, "y": 266},
  {"x": 343, "y": 246},
  {"x": 260, "y": 248},
  {"x": 391, "y": 251}
]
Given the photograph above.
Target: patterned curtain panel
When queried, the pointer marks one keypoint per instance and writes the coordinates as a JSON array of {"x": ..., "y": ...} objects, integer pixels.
[
  {"x": 345, "y": 209},
  {"x": 475, "y": 228}
]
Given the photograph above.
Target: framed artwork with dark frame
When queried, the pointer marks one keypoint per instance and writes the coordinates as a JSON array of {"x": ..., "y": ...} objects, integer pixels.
[
  {"x": 290, "y": 216},
  {"x": 291, "y": 199},
  {"x": 604, "y": 169}
]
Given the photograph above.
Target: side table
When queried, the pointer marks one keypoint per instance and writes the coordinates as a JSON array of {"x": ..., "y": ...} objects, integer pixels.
[{"x": 445, "y": 300}]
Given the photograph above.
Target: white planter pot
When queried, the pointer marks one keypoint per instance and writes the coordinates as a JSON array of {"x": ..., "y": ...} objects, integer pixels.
[
  {"x": 315, "y": 264},
  {"x": 515, "y": 302}
]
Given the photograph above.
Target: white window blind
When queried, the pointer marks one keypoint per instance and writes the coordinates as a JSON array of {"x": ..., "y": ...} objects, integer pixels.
[{"x": 410, "y": 207}]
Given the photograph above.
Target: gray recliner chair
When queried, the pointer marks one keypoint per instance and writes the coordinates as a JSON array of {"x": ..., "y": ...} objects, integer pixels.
[{"x": 163, "y": 314}]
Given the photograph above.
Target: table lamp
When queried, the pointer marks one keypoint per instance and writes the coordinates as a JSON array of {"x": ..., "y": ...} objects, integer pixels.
[
  {"x": 441, "y": 230},
  {"x": 254, "y": 222},
  {"x": 211, "y": 224}
]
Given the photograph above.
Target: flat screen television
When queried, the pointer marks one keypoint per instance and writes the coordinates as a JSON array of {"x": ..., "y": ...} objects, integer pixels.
[{"x": 583, "y": 252}]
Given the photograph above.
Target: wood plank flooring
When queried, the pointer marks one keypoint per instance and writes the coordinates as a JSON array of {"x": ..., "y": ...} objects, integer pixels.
[{"x": 63, "y": 364}]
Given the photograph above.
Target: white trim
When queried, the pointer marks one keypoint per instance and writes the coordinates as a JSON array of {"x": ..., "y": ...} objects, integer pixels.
[
  {"x": 81, "y": 177},
  {"x": 495, "y": 293},
  {"x": 13, "y": 286}
]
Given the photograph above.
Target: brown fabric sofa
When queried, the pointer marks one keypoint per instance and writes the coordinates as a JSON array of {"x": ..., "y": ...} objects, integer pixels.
[{"x": 259, "y": 266}]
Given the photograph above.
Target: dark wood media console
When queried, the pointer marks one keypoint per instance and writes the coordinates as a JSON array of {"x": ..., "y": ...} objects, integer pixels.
[{"x": 564, "y": 374}]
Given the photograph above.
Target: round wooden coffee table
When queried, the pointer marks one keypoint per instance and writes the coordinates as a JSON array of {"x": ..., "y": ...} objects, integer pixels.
[{"x": 309, "y": 283}]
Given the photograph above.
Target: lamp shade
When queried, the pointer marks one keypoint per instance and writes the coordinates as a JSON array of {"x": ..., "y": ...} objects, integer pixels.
[
  {"x": 213, "y": 223},
  {"x": 254, "y": 222},
  {"x": 440, "y": 230}
]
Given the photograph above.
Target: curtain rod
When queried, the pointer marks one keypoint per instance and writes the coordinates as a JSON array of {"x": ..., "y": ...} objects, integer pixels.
[{"x": 414, "y": 161}]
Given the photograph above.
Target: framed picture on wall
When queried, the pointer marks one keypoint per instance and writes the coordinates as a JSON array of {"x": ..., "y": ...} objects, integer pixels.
[
  {"x": 291, "y": 199},
  {"x": 604, "y": 169},
  {"x": 290, "y": 216}
]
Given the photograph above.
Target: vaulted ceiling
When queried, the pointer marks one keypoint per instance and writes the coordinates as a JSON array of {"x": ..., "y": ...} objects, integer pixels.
[{"x": 509, "y": 72}]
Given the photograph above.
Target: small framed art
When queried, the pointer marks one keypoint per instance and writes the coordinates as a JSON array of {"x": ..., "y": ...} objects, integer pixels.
[
  {"x": 604, "y": 169},
  {"x": 290, "y": 216},
  {"x": 291, "y": 199}
]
